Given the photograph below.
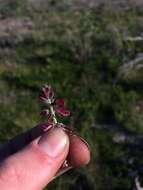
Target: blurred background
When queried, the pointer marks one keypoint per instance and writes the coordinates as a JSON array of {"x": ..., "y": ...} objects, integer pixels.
[{"x": 91, "y": 52}]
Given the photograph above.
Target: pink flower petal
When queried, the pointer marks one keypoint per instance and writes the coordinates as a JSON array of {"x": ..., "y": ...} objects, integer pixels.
[
  {"x": 45, "y": 127},
  {"x": 42, "y": 98},
  {"x": 60, "y": 102},
  {"x": 51, "y": 94},
  {"x": 62, "y": 111},
  {"x": 47, "y": 92}
]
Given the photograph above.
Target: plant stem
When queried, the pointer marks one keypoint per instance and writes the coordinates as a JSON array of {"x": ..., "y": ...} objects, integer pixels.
[{"x": 53, "y": 114}]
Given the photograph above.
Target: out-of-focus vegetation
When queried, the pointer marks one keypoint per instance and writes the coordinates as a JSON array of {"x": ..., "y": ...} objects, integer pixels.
[{"x": 92, "y": 56}]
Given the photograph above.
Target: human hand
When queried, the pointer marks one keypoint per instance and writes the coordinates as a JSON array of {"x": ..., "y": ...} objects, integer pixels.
[{"x": 33, "y": 159}]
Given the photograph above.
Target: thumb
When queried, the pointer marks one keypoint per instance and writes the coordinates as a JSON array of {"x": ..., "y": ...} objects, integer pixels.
[{"x": 35, "y": 166}]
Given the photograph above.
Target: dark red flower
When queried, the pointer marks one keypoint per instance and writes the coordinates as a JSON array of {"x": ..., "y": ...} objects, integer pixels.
[
  {"x": 54, "y": 106},
  {"x": 47, "y": 94},
  {"x": 60, "y": 108},
  {"x": 60, "y": 102},
  {"x": 63, "y": 112}
]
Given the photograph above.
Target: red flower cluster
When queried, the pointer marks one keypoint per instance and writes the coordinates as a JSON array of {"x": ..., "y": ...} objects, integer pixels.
[{"x": 55, "y": 106}]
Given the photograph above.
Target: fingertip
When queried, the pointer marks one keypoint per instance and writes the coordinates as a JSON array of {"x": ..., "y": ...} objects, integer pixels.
[
  {"x": 79, "y": 154},
  {"x": 55, "y": 142}
]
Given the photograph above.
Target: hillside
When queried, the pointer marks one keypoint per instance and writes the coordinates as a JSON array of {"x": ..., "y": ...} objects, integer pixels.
[{"x": 91, "y": 52}]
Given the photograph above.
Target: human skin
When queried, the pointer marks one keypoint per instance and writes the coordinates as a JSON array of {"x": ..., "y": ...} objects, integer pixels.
[{"x": 33, "y": 159}]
